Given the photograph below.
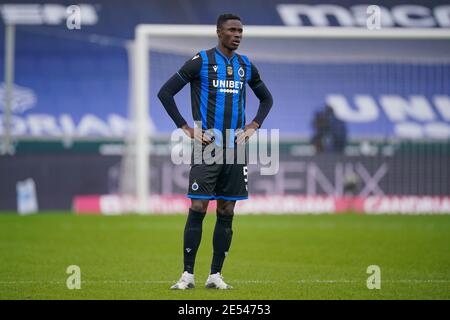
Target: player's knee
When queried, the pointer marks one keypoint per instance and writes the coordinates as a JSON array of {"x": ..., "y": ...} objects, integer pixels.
[
  {"x": 225, "y": 211},
  {"x": 225, "y": 208}
]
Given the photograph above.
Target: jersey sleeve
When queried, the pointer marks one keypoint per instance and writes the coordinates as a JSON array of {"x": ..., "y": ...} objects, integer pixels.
[
  {"x": 262, "y": 93},
  {"x": 255, "y": 79},
  {"x": 191, "y": 69}
]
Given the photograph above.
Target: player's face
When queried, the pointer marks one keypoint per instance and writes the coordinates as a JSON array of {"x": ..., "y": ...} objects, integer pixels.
[{"x": 230, "y": 34}]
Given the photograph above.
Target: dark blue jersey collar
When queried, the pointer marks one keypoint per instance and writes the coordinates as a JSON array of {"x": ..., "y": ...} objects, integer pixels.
[{"x": 224, "y": 56}]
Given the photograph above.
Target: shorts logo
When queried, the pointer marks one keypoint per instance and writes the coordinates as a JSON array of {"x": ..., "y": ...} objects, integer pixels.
[
  {"x": 194, "y": 186},
  {"x": 241, "y": 72}
]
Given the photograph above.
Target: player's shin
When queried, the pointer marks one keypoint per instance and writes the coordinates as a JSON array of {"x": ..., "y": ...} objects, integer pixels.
[
  {"x": 223, "y": 234},
  {"x": 192, "y": 238}
]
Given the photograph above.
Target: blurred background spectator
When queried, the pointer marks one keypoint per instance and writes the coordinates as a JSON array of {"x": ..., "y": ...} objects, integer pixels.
[{"x": 330, "y": 133}]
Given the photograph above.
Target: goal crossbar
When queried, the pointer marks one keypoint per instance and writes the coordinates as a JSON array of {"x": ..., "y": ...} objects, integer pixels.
[{"x": 296, "y": 32}]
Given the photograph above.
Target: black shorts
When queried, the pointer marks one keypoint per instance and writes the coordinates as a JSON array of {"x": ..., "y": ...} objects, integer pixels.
[{"x": 218, "y": 181}]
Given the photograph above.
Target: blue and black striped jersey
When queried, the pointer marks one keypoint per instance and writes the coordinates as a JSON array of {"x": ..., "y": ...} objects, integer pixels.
[{"x": 218, "y": 86}]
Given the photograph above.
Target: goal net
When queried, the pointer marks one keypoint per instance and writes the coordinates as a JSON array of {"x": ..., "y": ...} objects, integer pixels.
[{"x": 384, "y": 84}]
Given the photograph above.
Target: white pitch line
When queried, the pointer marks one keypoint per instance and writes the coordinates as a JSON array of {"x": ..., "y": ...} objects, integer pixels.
[
  {"x": 319, "y": 281},
  {"x": 88, "y": 281},
  {"x": 383, "y": 281}
]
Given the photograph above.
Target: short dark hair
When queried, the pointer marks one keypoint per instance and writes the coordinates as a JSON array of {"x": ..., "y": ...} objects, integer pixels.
[{"x": 226, "y": 16}]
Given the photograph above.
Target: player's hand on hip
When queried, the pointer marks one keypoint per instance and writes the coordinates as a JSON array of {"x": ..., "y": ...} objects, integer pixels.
[
  {"x": 188, "y": 131},
  {"x": 242, "y": 136},
  {"x": 197, "y": 134}
]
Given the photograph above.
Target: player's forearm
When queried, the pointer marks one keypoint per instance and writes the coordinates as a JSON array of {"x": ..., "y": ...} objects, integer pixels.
[
  {"x": 166, "y": 95},
  {"x": 265, "y": 103}
]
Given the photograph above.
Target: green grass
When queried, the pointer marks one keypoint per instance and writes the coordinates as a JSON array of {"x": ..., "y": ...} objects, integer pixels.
[{"x": 271, "y": 257}]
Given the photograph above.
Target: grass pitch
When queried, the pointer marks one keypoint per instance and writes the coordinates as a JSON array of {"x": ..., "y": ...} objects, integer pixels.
[{"x": 271, "y": 257}]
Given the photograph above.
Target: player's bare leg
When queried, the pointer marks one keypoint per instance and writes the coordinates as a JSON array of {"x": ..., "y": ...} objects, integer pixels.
[
  {"x": 223, "y": 234},
  {"x": 192, "y": 239}
]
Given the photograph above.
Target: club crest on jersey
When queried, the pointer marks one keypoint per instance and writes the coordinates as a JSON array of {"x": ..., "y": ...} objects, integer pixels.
[
  {"x": 241, "y": 72},
  {"x": 229, "y": 70}
]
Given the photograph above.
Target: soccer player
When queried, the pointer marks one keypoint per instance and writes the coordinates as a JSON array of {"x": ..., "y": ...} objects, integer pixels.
[{"x": 218, "y": 79}]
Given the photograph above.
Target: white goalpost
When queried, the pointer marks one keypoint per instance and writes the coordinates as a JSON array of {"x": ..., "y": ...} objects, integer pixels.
[{"x": 308, "y": 44}]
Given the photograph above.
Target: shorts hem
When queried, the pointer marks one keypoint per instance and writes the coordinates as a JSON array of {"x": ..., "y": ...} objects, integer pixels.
[
  {"x": 232, "y": 198},
  {"x": 193, "y": 196}
]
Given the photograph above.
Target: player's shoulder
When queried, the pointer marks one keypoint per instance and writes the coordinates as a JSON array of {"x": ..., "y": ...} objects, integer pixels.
[
  {"x": 243, "y": 58},
  {"x": 195, "y": 62},
  {"x": 197, "y": 56},
  {"x": 201, "y": 55}
]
